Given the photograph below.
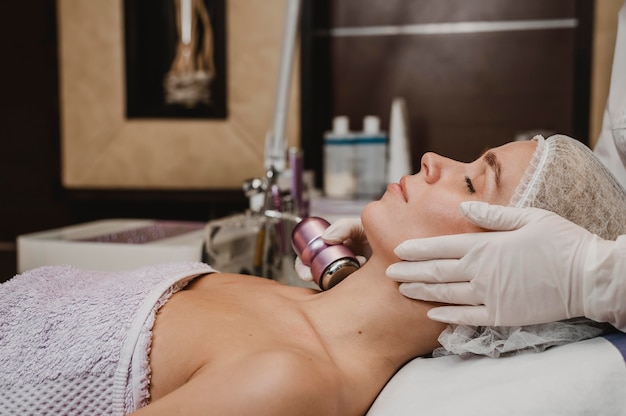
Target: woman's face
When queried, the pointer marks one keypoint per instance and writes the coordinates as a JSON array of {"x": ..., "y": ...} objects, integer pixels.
[{"x": 427, "y": 204}]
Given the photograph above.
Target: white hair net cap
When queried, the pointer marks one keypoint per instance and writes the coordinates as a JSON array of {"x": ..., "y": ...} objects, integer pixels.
[{"x": 564, "y": 177}]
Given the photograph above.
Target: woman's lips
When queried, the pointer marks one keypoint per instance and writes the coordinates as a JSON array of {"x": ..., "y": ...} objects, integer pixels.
[{"x": 398, "y": 188}]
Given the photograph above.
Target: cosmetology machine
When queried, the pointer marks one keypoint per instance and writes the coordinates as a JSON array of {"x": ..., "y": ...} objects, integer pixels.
[{"x": 259, "y": 241}]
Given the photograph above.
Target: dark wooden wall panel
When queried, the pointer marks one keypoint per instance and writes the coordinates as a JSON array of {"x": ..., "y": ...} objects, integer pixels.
[
  {"x": 401, "y": 12},
  {"x": 464, "y": 91}
]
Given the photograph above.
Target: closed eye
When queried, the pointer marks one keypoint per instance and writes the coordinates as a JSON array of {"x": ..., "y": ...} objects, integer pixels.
[{"x": 470, "y": 185}]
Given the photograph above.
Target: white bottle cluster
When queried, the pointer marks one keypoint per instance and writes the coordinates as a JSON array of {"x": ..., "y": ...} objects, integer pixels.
[{"x": 355, "y": 163}]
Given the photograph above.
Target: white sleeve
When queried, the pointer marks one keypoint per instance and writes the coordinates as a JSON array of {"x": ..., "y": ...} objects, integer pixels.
[
  {"x": 604, "y": 283},
  {"x": 611, "y": 145},
  {"x": 605, "y": 268}
]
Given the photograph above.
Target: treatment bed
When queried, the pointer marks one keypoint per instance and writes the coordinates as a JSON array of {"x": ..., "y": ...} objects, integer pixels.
[{"x": 583, "y": 378}]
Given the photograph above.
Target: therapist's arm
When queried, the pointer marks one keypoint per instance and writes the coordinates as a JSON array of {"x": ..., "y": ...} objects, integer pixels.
[{"x": 537, "y": 268}]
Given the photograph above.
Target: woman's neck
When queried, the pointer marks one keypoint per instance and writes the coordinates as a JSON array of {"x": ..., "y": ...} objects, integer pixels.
[{"x": 368, "y": 327}]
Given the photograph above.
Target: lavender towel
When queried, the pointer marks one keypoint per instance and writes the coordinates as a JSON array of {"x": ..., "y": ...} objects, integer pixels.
[{"x": 75, "y": 341}]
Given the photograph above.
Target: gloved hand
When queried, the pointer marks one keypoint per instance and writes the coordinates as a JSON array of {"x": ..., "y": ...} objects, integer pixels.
[
  {"x": 348, "y": 231},
  {"x": 539, "y": 268}
]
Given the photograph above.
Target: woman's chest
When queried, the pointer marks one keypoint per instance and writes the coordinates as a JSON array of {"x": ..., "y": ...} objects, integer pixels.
[{"x": 193, "y": 332}]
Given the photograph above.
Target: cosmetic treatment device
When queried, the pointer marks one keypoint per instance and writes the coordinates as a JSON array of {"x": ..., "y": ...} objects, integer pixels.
[{"x": 329, "y": 264}]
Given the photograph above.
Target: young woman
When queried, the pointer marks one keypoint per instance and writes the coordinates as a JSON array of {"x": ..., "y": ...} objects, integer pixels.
[{"x": 197, "y": 342}]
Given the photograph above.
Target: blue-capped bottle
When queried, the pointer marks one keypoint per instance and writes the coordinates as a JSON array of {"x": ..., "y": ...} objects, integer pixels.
[
  {"x": 339, "y": 178},
  {"x": 371, "y": 159}
]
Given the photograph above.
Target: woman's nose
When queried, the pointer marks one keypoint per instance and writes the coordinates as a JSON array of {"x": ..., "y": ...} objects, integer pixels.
[{"x": 431, "y": 166}]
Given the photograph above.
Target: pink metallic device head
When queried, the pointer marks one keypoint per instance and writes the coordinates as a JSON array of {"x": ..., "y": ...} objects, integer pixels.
[{"x": 329, "y": 264}]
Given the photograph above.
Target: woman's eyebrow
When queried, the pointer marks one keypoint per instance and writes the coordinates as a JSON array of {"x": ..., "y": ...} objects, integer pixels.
[{"x": 492, "y": 161}]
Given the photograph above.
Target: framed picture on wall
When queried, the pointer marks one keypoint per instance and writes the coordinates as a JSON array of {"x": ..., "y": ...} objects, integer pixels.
[
  {"x": 213, "y": 140},
  {"x": 175, "y": 58}
]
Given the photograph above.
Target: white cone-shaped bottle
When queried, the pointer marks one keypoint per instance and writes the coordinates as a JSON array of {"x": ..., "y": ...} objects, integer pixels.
[{"x": 399, "y": 144}]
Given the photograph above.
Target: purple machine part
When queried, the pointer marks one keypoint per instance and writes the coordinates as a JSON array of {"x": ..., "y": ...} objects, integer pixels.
[{"x": 329, "y": 264}]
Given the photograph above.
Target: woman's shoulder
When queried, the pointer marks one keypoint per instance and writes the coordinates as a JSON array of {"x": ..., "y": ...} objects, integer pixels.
[{"x": 252, "y": 284}]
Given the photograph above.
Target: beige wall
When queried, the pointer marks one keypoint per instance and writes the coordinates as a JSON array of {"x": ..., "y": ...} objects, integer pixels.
[
  {"x": 605, "y": 29},
  {"x": 103, "y": 149}
]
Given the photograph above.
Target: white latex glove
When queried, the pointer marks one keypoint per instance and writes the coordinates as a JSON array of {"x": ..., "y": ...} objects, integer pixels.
[
  {"x": 539, "y": 268},
  {"x": 348, "y": 231}
]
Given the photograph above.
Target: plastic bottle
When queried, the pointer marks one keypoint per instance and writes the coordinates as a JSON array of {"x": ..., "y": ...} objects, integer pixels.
[
  {"x": 399, "y": 152},
  {"x": 339, "y": 179},
  {"x": 371, "y": 159}
]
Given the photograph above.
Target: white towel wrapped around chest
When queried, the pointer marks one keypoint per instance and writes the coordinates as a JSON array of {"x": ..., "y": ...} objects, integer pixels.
[{"x": 75, "y": 341}]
